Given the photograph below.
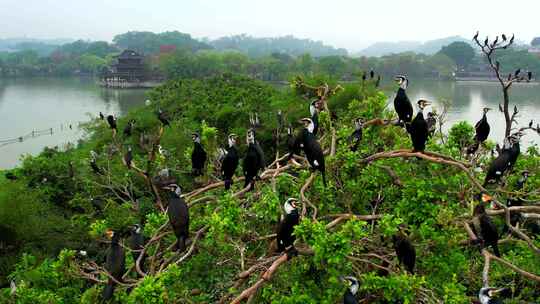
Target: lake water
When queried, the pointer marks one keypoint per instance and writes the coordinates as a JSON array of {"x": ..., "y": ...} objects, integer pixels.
[
  {"x": 41, "y": 104},
  {"x": 45, "y": 103}
]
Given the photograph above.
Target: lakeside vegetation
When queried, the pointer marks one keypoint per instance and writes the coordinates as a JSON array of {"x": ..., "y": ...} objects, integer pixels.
[
  {"x": 58, "y": 206},
  {"x": 175, "y": 54}
]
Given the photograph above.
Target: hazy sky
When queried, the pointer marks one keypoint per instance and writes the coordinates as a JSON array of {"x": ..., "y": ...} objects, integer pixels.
[{"x": 342, "y": 23}]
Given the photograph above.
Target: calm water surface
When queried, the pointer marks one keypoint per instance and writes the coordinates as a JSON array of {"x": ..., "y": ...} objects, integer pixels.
[
  {"x": 44, "y": 103},
  {"x": 38, "y": 104}
]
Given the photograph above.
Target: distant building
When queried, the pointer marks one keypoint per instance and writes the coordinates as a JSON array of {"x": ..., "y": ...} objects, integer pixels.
[{"x": 129, "y": 67}]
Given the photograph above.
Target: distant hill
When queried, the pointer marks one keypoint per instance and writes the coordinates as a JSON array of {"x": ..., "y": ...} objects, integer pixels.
[
  {"x": 429, "y": 47},
  {"x": 258, "y": 47},
  {"x": 21, "y": 44}
]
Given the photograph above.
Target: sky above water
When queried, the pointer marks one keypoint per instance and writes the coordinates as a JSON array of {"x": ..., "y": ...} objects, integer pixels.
[{"x": 342, "y": 23}]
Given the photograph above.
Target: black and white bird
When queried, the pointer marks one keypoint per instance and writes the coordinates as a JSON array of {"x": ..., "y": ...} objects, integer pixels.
[
  {"x": 254, "y": 121},
  {"x": 178, "y": 213},
  {"x": 111, "y": 119},
  {"x": 128, "y": 158},
  {"x": 93, "y": 163},
  {"x": 128, "y": 129},
  {"x": 431, "y": 121},
  {"x": 352, "y": 288},
  {"x": 418, "y": 128},
  {"x": 253, "y": 161},
  {"x": 483, "y": 227},
  {"x": 230, "y": 161},
  {"x": 285, "y": 229},
  {"x": 482, "y": 127},
  {"x": 505, "y": 160},
  {"x": 312, "y": 148},
  {"x": 136, "y": 244},
  {"x": 404, "y": 250},
  {"x": 490, "y": 295},
  {"x": 115, "y": 264},
  {"x": 198, "y": 156},
  {"x": 163, "y": 117},
  {"x": 402, "y": 104},
  {"x": 356, "y": 136}
]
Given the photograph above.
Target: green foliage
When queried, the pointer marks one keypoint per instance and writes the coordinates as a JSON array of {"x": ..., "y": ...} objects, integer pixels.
[
  {"x": 461, "y": 52},
  {"x": 57, "y": 207}
]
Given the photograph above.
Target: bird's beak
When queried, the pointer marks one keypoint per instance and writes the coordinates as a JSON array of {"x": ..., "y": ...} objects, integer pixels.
[
  {"x": 488, "y": 109},
  {"x": 486, "y": 197},
  {"x": 427, "y": 103}
]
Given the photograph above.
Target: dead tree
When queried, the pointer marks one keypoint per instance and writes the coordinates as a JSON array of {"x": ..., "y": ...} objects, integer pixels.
[{"x": 489, "y": 48}]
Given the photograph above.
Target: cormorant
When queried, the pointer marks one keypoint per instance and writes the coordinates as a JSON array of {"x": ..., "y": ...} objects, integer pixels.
[
  {"x": 128, "y": 157},
  {"x": 285, "y": 237},
  {"x": 352, "y": 288},
  {"x": 112, "y": 122},
  {"x": 505, "y": 160},
  {"x": 136, "y": 244},
  {"x": 402, "y": 104},
  {"x": 129, "y": 128},
  {"x": 378, "y": 81},
  {"x": 371, "y": 74},
  {"x": 253, "y": 162},
  {"x": 431, "y": 121},
  {"x": 419, "y": 128},
  {"x": 293, "y": 143},
  {"x": 230, "y": 162},
  {"x": 198, "y": 156},
  {"x": 356, "y": 136},
  {"x": 312, "y": 148},
  {"x": 484, "y": 227},
  {"x": 101, "y": 116},
  {"x": 489, "y": 295},
  {"x": 162, "y": 116},
  {"x": 482, "y": 127},
  {"x": 10, "y": 175},
  {"x": 404, "y": 250},
  {"x": 115, "y": 264},
  {"x": 178, "y": 213}
]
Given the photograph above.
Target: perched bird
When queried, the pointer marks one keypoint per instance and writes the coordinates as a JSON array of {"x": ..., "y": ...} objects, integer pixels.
[
  {"x": 293, "y": 143},
  {"x": 404, "y": 250},
  {"x": 516, "y": 217},
  {"x": 378, "y": 81},
  {"x": 285, "y": 229},
  {"x": 529, "y": 75},
  {"x": 115, "y": 264},
  {"x": 128, "y": 158},
  {"x": 136, "y": 244},
  {"x": 489, "y": 295},
  {"x": 476, "y": 35},
  {"x": 230, "y": 162},
  {"x": 253, "y": 161},
  {"x": 499, "y": 165},
  {"x": 431, "y": 121},
  {"x": 482, "y": 127},
  {"x": 356, "y": 136},
  {"x": 198, "y": 156},
  {"x": 482, "y": 132},
  {"x": 483, "y": 226},
  {"x": 402, "y": 104},
  {"x": 352, "y": 288},
  {"x": 128, "y": 129},
  {"x": 371, "y": 74},
  {"x": 93, "y": 163},
  {"x": 503, "y": 37},
  {"x": 418, "y": 128},
  {"x": 178, "y": 213},
  {"x": 112, "y": 122},
  {"x": 312, "y": 148},
  {"x": 101, "y": 116},
  {"x": 163, "y": 117},
  {"x": 515, "y": 148}
]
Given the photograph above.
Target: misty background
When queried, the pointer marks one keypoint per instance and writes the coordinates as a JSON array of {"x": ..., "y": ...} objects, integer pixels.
[{"x": 352, "y": 25}]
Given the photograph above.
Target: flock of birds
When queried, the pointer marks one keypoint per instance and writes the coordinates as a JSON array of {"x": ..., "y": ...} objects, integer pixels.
[{"x": 253, "y": 163}]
